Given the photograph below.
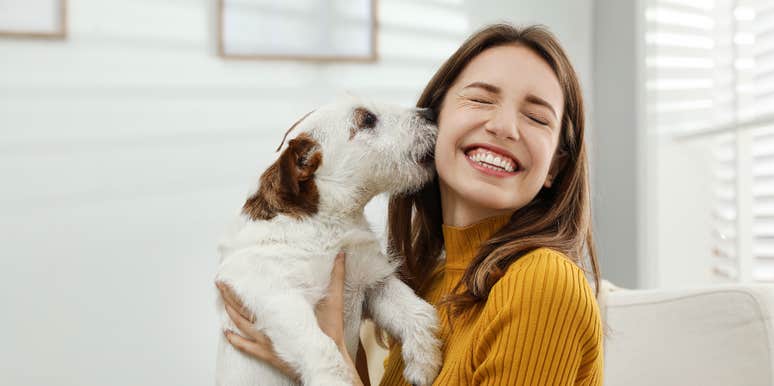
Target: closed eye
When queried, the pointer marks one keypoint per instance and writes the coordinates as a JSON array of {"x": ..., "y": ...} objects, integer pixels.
[
  {"x": 537, "y": 120},
  {"x": 482, "y": 101}
]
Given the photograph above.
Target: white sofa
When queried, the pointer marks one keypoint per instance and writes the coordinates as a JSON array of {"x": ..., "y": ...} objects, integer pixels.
[
  {"x": 720, "y": 335},
  {"x": 716, "y": 336}
]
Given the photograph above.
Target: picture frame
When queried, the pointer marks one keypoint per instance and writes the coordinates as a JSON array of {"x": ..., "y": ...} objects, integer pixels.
[
  {"x": 42, "y": 19},
  {"x": 303, "y": 30}
]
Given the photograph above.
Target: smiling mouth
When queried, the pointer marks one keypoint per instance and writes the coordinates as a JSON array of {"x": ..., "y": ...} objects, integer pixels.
[{"x": 492, "y": 160}]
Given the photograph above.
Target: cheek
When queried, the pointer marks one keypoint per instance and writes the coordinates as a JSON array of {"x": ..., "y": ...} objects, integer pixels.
[
  {"x": 446, "y": 148},
  {"x": 443, "y": 152},
  {"x": 445, "y": 143},
  {"x": 542, "y": 153},
  {"x": 453, "y": 126}
]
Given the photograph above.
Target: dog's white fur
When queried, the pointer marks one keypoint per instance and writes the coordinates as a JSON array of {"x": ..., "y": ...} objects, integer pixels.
[{"x": 280, "y": 268}]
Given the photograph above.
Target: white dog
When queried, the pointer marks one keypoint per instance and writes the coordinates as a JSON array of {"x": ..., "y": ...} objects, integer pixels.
[{"x": 279, "y": 254}]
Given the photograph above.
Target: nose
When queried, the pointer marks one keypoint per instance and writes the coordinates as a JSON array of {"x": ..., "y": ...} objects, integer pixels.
[
  {"x": 504, "y": 124},
  {"x": 427, "y": 114}
]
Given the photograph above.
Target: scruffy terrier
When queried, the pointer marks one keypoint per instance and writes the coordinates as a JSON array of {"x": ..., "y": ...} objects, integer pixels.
[{"x": 278, "y": 255}]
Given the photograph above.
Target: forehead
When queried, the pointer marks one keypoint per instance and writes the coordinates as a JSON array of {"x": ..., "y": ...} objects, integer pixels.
[{"x": 515, "y": 69}]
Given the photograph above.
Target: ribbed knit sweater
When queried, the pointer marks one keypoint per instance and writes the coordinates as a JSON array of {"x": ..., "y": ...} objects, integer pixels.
[{"x": 539, "y": 326}]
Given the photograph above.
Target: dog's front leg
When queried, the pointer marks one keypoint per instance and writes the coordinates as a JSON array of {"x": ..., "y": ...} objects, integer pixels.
[
  {"x": 289, "y": 321},
  {"x": 394, "y": 307}
]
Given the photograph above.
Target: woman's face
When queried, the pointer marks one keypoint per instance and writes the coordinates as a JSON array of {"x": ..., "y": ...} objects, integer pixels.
[{"x": 499, "y": 126}]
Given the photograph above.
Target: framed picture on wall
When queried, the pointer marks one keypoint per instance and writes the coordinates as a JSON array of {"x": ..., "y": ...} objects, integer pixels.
[
  {"x": 314, "y": 30},
  {"x": 33, "y": 18}
]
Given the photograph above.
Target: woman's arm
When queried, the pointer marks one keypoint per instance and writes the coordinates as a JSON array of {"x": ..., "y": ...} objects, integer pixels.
[
  {"x": 544, "y": 330},
  {"x": 330, "y": 317}
]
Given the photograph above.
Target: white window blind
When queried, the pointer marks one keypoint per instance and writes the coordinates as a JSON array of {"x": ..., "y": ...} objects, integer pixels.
[{"x": 710, "y": 76}]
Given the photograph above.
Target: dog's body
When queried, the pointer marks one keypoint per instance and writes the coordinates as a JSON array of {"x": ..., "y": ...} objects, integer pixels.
[{"x": 278, "y": 256}]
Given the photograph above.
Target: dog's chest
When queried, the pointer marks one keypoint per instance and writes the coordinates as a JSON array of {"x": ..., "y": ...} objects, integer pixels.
[
  {"x": 365, "y": 267},
  {"x": 302, "y": 253}
]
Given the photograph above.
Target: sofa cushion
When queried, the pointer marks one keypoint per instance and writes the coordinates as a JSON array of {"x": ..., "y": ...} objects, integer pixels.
[{"x": 715, "y": 336}]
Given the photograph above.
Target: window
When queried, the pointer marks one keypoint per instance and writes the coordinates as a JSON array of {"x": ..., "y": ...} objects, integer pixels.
[{"x": 710, "y": 86}]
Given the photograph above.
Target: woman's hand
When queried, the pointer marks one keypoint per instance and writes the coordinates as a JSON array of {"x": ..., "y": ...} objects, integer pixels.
[
  {"x": 254, "y": 342},
  {"x": 330, "y": 317},
  {"x": 330, "y": 310}
]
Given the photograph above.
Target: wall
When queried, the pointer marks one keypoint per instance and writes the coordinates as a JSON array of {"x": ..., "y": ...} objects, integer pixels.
[
  {"x": 618, "y": 163},
  {"x": 125, "y": 149}
]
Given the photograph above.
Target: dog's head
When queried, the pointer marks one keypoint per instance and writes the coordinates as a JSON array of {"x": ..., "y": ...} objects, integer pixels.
[{"x": 346, "y": 153}]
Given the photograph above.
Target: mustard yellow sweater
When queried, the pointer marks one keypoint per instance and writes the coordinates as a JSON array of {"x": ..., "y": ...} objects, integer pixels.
[{"x": 540, "y": 325}]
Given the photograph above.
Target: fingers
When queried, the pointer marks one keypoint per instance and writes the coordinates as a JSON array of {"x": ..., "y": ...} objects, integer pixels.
[
  {"x": 231, "y": 299},
  {"x": 254, "y": 342},
  {"x": 262, "y": 350},
  {"x": 258, "y": 350},
  {"x": 244, "y": 325}
]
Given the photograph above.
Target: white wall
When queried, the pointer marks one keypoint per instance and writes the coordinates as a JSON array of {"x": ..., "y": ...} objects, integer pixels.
[
  {"x": 617, "y": 164},
  {"x": 125, "y": 149}
]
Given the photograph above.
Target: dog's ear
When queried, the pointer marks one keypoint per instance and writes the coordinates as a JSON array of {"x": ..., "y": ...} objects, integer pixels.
[
  {"x": 288, "y": 186},
  {"x": 298, "y": 163}
]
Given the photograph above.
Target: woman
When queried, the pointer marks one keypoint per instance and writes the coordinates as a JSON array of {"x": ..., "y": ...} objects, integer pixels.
[{"x": 498, "y": 241}]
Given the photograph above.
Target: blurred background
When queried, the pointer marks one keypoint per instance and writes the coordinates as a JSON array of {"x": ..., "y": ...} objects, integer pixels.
[{"x": 128, "y": 139}]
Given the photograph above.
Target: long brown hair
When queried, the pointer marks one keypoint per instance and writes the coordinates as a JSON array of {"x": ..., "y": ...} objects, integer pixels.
[{"x": 559, "y": 217}]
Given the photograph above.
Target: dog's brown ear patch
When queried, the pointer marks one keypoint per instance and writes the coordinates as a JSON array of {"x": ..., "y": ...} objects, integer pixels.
[{"x": 288, "y": 185}]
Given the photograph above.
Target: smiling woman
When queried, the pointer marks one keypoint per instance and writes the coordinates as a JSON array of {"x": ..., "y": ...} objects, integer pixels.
[{"x": 499, "y": 241}]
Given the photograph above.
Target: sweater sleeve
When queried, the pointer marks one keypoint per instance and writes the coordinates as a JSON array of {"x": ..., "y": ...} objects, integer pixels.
[{"x": 545, "y": 328}]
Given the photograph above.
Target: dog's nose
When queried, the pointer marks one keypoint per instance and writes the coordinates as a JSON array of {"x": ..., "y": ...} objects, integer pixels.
[{"x": 427, "y": 113}]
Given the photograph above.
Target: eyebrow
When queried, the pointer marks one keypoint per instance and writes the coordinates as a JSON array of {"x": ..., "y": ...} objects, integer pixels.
[
  {"x": 486, "y": 86},
  {"x": 531, "y": 98}
]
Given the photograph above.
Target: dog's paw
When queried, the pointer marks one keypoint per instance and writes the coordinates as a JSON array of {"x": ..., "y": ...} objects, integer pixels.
[
  {"x": 330, "y": 382},
  {"x": 422, "y": 361},
  {"x": 421, "y": 374}
]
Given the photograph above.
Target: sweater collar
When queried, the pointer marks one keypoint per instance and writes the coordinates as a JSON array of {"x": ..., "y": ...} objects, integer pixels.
[{"x": 462, "y": 243}]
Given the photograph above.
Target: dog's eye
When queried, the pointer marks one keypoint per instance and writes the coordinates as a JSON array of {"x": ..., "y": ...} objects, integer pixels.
[
  {"x": 365, "y": 119},
  {"x": 369, "y": 120}
]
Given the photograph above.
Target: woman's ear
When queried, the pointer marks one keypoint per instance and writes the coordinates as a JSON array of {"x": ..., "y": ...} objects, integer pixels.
[
  {"x": 549, "y": 181},
  {"x": 557, "y": 164}
]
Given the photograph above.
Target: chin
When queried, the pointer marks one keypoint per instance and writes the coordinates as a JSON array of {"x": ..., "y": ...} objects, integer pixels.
[{"x": 499, "y": 201}]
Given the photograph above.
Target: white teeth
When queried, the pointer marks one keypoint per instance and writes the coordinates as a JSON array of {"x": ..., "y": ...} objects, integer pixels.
[{"x": 492, "y": 161}]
